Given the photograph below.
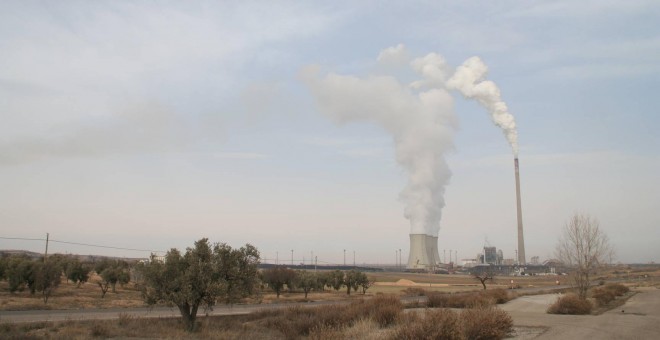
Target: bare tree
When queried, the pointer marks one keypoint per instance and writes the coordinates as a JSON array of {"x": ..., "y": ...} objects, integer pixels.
[
  {"x": 483, "y": 277},
  {"x": 584, "y": 248}
]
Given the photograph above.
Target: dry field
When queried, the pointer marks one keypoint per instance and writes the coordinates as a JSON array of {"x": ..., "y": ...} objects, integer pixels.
[
  {"x": 68, "y": 296},
  {"x": 380, "y": 318}
]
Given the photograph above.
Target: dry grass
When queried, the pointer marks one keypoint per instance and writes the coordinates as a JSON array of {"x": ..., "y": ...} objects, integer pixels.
[
  {"x": 378, "y": 318},
  {"x": 469, "y": 300},
  {"x": 69, "y": 296},
  {"x": 485, "y": 323},
  {"x": 434, "y": 324},
  {"x": 570, "y": 304}
]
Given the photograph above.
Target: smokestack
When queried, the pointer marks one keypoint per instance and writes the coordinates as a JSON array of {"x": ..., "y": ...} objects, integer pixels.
[
  {"x": 418, "y": 257},
  {"x": 521, "y": 239}
]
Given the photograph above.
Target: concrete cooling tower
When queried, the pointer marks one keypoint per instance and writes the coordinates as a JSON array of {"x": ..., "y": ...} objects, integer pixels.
[{"x": 423, "y": 251}]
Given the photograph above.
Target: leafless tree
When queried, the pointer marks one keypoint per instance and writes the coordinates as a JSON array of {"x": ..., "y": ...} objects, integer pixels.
[
  {"x": 584, "y": 247},
  {"x": 483, "y": 277}
]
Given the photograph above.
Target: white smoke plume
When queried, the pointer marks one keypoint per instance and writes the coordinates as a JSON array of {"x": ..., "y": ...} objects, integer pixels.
[
  {"x": 469, "y": 80},
  {"x": 420, "y": 119}
]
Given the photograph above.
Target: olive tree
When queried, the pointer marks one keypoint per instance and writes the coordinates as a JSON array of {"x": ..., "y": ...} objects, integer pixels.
[
  {"x": 307, "y": 281},
  {"x": 364, "y": 282},
  {"x": 200, "y": 277},
  {"x": 335, "y": 279},
  {"x": 47, "y": 277},
  {"x": 77, "y": 272},
  {"x": 111, "y": 272},
  {"x": 584, "y": 247},
  {"x": 21, "y": 273},
  {"x": 352, "y": 279},
  {"x": 277, "y": 277}
]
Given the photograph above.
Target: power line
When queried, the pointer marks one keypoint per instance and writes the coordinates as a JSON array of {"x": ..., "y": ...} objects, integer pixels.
[
  {"x": 22, "y": 238},
  {"x": 82, "y": 244}
]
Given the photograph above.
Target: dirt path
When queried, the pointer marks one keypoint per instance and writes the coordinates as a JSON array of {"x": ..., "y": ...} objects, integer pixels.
[{"x": 639, "y": 318}]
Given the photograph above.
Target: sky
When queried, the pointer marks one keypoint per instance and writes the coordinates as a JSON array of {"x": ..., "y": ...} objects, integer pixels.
[{"x": 149, "y": 125}]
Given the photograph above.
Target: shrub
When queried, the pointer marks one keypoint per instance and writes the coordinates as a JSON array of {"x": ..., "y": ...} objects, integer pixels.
[
  {"x": 436, "y": 324},
  {"x": 603, "y": 296},
  {"x": 323, "y": 332},
  {"x": 99, "y": 330},
  {"x": 125, "y": 319},
  {"x": 570, "y": 304},
  {"x": 461, "y": 300},
  {"x": 295, "y": 322},
  {"x": 414, "y": 291},
  {"x": 485, "y": 323},
  {"x": 617, "y": 289},
  {"x": 385, "y": 309},
  {"x": 499, "y": 295}
]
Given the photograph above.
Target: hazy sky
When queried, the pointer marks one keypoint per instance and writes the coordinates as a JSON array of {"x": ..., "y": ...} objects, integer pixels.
[{"x": 152, "y": 124}]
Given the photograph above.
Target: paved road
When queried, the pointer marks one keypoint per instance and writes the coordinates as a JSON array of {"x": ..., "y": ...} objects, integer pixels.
[
  {"x": 113, "y": 313},
  {"x": 156, "y": 312},
  {"x": 639, "y": 318}
]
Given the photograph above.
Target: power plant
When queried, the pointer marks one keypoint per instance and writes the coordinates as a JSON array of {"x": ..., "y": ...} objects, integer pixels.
[
  {"x": 521, "y": 239},
  {"x": 423, "y": 251}
]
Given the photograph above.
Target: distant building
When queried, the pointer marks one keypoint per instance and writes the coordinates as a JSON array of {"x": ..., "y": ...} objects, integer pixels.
[
  {"x": 490, "y": 255},
  {"x": 535, "y": 260}
]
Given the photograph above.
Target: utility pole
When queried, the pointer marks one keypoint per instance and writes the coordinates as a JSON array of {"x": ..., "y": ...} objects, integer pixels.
[
  {"x": 444, "y": 255},
  {"x": 344, "y": 257},
  {"x": 400, "y": 260},
  {"x": 46, "y": 252}
]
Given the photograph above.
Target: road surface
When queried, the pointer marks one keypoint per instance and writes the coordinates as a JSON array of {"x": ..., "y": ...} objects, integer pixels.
[{"x": 639, "y": 318}]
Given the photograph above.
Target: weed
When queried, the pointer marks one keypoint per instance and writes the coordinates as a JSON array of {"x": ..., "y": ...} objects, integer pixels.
[
  {"x": 99, "y": 330},
  {"x": 435, "y": 324},
  {"x": 486, "y": 323},
  {"x": 570, "y": 304}
]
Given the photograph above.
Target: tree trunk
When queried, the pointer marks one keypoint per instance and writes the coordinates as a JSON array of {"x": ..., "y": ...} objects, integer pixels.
[
  {"x": 348, "y": 289},
  {"x": 188, "y": 316}
]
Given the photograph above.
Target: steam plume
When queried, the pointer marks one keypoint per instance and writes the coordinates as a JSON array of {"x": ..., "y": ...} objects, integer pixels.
[
  {"x": 421, "y": 123},
  {"x": 469, "y": 80},
  {"x": 419, "y": 116}
]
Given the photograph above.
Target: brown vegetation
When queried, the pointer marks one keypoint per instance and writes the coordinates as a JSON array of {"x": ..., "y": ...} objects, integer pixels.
[
  {"x": 381, "y": 317},
  {"x": 434, "y": 324},
  {"x": 570, "y": 304},
  {"x": 468, "y": 300},
  {"x": 485, "y": 323},
  {"x": 608, "y": 293}
]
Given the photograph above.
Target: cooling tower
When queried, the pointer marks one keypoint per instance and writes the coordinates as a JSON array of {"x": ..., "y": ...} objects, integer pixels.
[
  {"x": 418, "y": 257},
  {"x": 430, "y": 249},
  {"x": 521, "y": 239},
  {"x": 436, "y": 254}
]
